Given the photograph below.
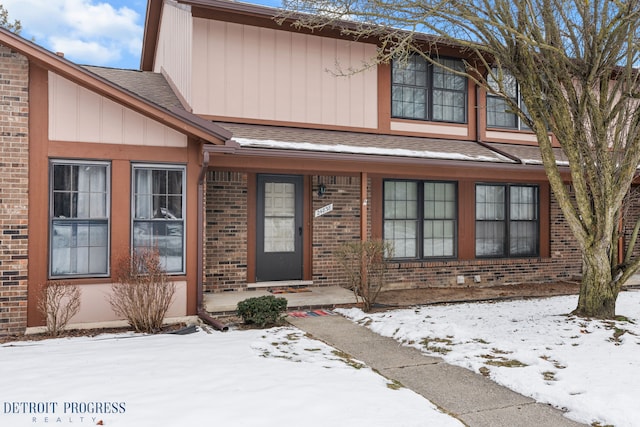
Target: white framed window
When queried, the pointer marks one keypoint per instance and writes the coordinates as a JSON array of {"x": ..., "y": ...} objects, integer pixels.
[
  {"x": 79, "y": 196},
  {"x": 158, "y": 206},
  {"x": 422, "y": 91}
]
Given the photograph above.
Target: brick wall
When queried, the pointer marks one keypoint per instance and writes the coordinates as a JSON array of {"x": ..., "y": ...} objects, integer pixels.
[
  {"x": 339, "y": 226},
  {"x": 630, "y": 217},
  {"x": 564, "y": 264},
  {"x": 226, "y": 234},
  {"x": 14, "y": 150},
  {"x": 225, "y": 243}
]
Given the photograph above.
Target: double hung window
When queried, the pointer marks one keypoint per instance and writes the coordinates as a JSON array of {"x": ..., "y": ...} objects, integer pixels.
[
  {"x": 420, "y": 218},
  {"x": 507, "y": 220},
  {"x": 424, "y": 91},
  {"x": 158, "y": 213},
  {"x": 79, "y": 218}
]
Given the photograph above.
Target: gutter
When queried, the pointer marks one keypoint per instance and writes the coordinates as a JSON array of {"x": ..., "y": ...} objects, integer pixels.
[{"x": 202, "y": 313}]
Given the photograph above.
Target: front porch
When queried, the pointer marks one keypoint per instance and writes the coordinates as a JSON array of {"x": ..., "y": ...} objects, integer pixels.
[{"x": 298, "y": 298}]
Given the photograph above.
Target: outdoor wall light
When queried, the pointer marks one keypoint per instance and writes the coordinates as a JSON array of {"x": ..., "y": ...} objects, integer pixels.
[{"x": 321, "y": 190}]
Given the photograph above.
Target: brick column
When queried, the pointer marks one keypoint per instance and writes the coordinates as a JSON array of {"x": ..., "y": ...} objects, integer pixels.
[{"x": 14, "y": 164}]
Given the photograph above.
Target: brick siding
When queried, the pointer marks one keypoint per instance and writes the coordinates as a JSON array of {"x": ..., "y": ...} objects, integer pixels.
[
  {"x": 226, "y": 235},
  {"x": 564, "y": 264},
  {"x": 335, "y": 228},
  {"x": 14, "y": 163},
  {"x": 225, "y": 243}
]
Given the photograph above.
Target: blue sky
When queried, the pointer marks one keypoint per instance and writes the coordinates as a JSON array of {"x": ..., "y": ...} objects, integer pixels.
[{"x": 92, "y": 32}]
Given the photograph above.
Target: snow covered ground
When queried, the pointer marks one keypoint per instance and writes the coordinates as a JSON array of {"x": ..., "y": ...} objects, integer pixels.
[
  {"x": 589, "y": 367},
  {"x": 278, "y": 376},
  {"x": 263, "y": 378}
]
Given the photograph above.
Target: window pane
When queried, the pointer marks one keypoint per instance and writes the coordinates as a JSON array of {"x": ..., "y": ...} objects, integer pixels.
[
  {"x": 523, "y": 238},
  {"x": 490, "y": 200},
  {"x": 79, "y": 236},
  {"x": 401, "y": 234},
  {"x": 439, "y": 238},
  {"x": 523, "y": 203},
  {"x": 490, "y": 238},
  {"x": 164, "y": 236},
  {"x": 158, "y": 198},
  {"x": 79, "y": 248},
  {"x": 498, "y": 114}
]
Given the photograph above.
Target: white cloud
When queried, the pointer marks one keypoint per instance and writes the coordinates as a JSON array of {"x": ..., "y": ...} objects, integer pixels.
[
  {"x": 92, "y": 52},
  {"x": 87, "y": 31}
]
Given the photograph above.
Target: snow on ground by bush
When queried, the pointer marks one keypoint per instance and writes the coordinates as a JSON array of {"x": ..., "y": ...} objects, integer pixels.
[
  {"x": 589, "y": 367},
  {"x": 251, "y": 378}
]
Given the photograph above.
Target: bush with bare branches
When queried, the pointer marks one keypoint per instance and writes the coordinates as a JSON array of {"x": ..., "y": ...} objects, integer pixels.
[
  {"x": 365, "y": 266},
  {"x": 59, "y": 302},
  {"x": 143, "y": 292}
]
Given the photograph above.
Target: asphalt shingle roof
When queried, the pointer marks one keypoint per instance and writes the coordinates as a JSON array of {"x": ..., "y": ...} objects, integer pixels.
[
  {"x": 377, "y": 143},
  {"x": 151, "y": 86}
]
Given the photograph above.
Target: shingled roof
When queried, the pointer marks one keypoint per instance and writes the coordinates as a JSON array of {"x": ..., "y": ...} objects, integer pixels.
[
  {"x": 148, "y": 85},
  {"x": 262, "y": 136}
]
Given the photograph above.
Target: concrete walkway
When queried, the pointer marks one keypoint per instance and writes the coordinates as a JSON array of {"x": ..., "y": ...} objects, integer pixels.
[{"x": 470, "y": 397}]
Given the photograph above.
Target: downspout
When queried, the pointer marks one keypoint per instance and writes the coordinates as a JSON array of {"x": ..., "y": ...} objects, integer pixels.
[
  {"x": 479, "y": 140},
  {"x": 202, "y": 313}
]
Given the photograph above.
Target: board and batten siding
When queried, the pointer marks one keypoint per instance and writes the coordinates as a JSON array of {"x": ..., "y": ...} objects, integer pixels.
[
  {"x": 173, "y": 54},
  {"x": 80, "y": 115},
  {"x": 244, "y": 71}
]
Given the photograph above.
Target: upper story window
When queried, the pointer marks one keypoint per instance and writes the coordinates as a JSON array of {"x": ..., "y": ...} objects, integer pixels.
[
  {"x": 424, "y": 91},
  {"x": 420, "y": 218},
  {"x": 499, "y": 114},
  {"x": 79, "y": 218},
  {"x": 158, "y": 213},
  {"x": 507, "y": 220}
]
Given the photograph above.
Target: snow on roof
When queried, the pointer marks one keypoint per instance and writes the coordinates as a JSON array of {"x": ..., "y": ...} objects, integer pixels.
[{"x": 350, "y": 149}]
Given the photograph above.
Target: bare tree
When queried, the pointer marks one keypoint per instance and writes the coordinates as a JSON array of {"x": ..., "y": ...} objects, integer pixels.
[
  {"x": 574, "y": 62},
  {"x": 15, "y": 26}
]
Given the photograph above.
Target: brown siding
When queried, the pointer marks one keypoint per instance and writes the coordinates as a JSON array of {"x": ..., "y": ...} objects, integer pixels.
[{"x": 14, "y": 203}]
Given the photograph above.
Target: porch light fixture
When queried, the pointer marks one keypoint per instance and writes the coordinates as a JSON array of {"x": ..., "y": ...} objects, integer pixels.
[{"x": 321, "y": 190}]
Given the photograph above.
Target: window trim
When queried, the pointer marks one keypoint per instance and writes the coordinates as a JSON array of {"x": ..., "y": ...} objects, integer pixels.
[
  {"x": 75, "y": 162},
  {"x": 507, "y": 220},
  {"x": 429, "y": 89},
  {"x": 421, "y": 219},
  {"x": 168, "y": 167}
]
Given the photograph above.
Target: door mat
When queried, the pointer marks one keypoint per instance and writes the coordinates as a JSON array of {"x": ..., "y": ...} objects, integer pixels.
[
  {"x": 312, "y": 313},
  {"x": 288, "y": 290}
]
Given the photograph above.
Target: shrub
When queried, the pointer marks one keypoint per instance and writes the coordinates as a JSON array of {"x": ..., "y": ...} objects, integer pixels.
[
  {"x": 365, "y": 266},
  {"x": 59, "y": 302},
  {"x": 143, "y": 292},
  {"x": 262, "y": 311}
]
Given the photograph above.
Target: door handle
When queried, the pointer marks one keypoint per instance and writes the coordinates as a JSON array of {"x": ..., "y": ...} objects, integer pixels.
[{"x": 300, "y": 231}]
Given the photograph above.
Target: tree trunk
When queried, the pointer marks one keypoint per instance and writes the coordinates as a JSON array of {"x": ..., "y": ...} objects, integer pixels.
[{"x": 598, "y": 293}]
